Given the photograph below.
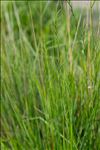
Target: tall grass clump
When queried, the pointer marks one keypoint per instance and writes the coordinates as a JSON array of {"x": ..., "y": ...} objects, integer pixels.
[{"x": 50, "y": 76}]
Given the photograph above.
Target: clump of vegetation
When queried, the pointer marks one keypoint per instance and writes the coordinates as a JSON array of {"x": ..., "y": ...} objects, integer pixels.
[{"x": 50, "y": 77}]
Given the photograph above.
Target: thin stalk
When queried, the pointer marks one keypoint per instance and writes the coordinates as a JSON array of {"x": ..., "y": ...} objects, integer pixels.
[
  {"x": 69, "y": 37},
  {"x": 89, "y": 67},
  {"x": 32, "y": 26}
]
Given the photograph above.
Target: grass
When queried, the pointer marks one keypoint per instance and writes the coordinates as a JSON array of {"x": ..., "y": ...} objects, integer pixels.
[{"x": 50, "y": 77}]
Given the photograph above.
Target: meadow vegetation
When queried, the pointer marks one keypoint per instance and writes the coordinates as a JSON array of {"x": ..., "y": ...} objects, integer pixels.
[{"x": 50, "y": 76}]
